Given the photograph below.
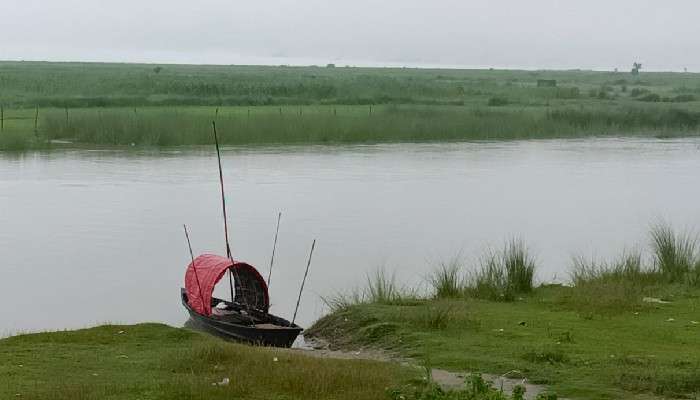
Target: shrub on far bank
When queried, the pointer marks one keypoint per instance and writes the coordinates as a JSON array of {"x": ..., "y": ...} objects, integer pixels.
[
  {"x": 498, "y": 101},
  {"x": 683, "y": 98},
  {"x": 651, "y": 97},
  {"x": 15, "y": 141}
]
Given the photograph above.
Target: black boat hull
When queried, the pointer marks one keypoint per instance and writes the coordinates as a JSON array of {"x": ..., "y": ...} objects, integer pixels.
[{"x": 282, "y": 335}]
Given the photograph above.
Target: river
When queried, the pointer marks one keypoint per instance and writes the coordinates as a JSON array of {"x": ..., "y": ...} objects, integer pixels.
[{"x": 90, "y": 237}]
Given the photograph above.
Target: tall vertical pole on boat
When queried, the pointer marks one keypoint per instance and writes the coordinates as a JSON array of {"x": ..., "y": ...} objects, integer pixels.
[
  {"x": 308, "y": 263},
  {"x": 223, "y": 205},
  {"x": 274, "y": 246},
  {"x": 194, "y": 268}
]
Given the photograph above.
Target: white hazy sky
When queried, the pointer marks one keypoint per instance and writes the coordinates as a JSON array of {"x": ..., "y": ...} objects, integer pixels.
[{"x": 595, "y": 34}]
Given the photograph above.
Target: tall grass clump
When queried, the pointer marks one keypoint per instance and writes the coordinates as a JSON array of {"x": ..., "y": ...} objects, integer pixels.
[
  {"x": 626, "y": 268},
  {"x": 447, "y": 281},
  {"x": 519, "y": 265},
  {"x": 675, "y": 253},
  {"x": 610, "y": 287},
  {"x": 309, "y": 124},
  {"x": 341, "y": 301},
  {"x": 380, "y": 288},
  {"x": 504, "y": 274}
]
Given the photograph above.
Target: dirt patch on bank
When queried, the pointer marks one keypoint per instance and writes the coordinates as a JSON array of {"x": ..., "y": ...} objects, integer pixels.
[{"x": 448, "y": 380}]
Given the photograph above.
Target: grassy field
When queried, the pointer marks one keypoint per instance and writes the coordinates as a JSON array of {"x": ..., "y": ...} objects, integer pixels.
[
  {"x": 626, "y": 328},
  {"x": 121, "y": 104},
  {"x": 151, "y": 361}
]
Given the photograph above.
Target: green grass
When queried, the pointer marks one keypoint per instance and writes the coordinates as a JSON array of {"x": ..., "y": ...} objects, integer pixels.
[
  {"x": 380, "y": 288},
  {"x": 611, "y": 287},
  {"x": 675, "y": 254},
  {"x": 78, "y": 85},
  {"x": 151, "y": 361},
  {"x": 353, "y": 124},
  {"x": 125, "y": 104},
  {"x": 447, "y": 280},
  {"x": 500, "y": 275},
  {"x": 621, "y": 284},
  {"x": 16, "y": 141},
  {"x": 579, "y": 354},
  {"x": 626, "y": 328}
]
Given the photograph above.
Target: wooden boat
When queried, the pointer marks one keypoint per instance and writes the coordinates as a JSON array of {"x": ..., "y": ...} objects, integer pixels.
[{"x": 246, "y": 318}]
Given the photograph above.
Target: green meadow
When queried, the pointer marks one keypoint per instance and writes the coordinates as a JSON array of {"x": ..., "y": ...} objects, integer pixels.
[
  {"x": 154, "y": 361},
  {"x": 93, "y": 104}
]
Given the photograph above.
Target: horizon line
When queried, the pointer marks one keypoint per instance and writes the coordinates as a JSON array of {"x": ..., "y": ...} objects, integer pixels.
[{"x": 365, "y": 64}]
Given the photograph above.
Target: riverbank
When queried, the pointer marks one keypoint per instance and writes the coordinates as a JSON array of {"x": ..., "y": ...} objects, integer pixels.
[
  {"x": 93, "y": 104},
  {"x": 623, "y": 329},
  {"x": 178, "y": 126},
  {"x": 152, "y": 361}
]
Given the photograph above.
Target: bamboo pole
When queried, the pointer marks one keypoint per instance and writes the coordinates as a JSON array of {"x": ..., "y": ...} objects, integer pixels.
[
  {"x": 308, "y": 263},
  {"x": 223, "y": 207},
  {"x": 274, "y": 246},
  {"x": 194, "y": 268}
]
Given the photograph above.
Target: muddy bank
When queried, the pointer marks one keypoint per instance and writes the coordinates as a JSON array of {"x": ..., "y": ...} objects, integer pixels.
[{"x": 448, "y": 380}]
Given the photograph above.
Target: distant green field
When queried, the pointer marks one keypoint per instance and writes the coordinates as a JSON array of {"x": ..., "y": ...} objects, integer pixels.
[
  {"x": 119, "y": 104},
  {"x": 43, "y": 84}
]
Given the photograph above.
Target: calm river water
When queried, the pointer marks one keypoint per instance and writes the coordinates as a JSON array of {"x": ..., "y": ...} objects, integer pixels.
[{"x": 89, "y": 237}]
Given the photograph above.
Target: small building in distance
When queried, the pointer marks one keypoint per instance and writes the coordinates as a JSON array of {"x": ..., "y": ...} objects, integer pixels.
[{"x": 546, "y": 83}]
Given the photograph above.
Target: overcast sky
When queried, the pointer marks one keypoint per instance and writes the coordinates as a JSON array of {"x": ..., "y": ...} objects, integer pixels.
[{"x": 592, "y": 34}]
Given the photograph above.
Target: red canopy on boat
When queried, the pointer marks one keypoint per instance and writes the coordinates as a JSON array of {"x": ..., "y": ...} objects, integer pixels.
[{"x": 208, "y": 269}]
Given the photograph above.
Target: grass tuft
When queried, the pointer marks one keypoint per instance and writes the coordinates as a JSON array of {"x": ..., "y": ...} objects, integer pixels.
[
  {"x": 381, "y": 288},
  {"x": 519, "y": 265},
  {"x": 439, "y": 316},
  {"x": 675, "y": 254},
  {"x": 502, "y": 275},
  {"x": 627, "y": 268},
  {"x": 610, "y": 287},
  {"x": 446, "y": 280}
]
